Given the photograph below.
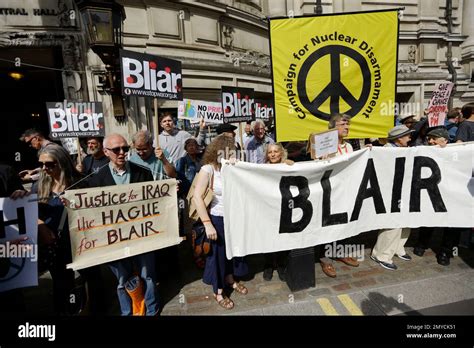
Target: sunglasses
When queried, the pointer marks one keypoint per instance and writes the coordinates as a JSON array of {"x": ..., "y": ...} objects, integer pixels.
[
  {"x": 48, "y": 165},
  {"x": 116, "y": 150}
]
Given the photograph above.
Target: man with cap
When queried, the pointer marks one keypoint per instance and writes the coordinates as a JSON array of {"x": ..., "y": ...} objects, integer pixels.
[
  {"x": 228, "y": 130},
  {"x": 95, "y": 158},
  {"x": 407, "y": 119},
  {"x": 438, "y": 136},
  {"x": 391, "y": 242}
]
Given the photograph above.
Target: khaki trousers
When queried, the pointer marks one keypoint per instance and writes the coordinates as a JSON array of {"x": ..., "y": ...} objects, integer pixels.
[{"x": 389, "y": 243}]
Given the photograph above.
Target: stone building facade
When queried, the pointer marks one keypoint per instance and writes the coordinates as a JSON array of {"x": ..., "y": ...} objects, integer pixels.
[{"x": 219, "y": 42}]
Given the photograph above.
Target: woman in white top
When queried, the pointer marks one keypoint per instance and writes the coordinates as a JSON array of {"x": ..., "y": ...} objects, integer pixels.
[{"x": 219, "y": 272}]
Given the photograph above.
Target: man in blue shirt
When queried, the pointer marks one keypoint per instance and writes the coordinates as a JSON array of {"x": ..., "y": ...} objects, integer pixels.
[
  {"x": 257, "y": 144},
  {"x": 156, "y": 160}
]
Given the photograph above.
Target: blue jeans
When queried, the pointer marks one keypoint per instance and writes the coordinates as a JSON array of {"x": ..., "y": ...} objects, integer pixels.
[{"x": 144, "y": 265}]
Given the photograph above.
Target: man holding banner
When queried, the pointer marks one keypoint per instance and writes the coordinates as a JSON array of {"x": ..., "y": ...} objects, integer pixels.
[{"x": 122, "y": 172}]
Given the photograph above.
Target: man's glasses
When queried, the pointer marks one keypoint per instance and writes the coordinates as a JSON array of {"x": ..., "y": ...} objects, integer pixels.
[
  {"x": 28, "y": 142},
  {"x": 48, "y": 165},
  {"x": 116, "y": 150}
]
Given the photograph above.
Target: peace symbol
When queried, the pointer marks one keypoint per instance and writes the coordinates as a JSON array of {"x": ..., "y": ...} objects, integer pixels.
[
  {"x": 335, "y": 90},
  {"x": 14, "y": 264}
]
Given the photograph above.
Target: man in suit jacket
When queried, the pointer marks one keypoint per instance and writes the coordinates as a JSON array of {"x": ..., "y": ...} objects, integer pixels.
[{"x": 122, "y": 172}]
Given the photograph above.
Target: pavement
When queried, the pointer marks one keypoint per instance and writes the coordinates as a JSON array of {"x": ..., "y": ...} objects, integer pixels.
[{"x": 418, "y": 287}]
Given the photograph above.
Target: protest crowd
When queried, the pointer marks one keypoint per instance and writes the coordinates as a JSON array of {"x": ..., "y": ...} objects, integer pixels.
[{"x": 118, "y": 160}]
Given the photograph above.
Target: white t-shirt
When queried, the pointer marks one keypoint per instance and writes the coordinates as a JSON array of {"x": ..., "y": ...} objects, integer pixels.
[{"x": 217, "y": 204}]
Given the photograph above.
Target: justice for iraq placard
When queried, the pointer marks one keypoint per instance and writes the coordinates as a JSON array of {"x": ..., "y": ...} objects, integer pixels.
[
  {"x": 337, "y": 63},
  {"x": 115, "y": 222}
]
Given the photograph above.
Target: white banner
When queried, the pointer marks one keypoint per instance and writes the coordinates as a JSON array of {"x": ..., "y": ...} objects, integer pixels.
[
  {"x": 273, "y": 207},
  {"x": 194, "y": 110},
  {"x": 115, "y": 222},
  {"x": 18, "y": 261}
]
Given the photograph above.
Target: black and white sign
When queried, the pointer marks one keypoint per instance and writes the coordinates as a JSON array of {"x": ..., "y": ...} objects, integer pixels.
[
  {"x": 238, "y": 104},
  {"x": 75, "y": 119},
  {"x": 263, "y": 109},
  {"x": 144, "y": 75},
  {"x": 314, "y": 202}
]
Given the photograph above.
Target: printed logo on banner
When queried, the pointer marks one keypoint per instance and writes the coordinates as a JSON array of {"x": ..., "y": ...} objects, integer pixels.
[
  {"x": 145, "y": 75},
  {"x": 263, "y": 109},
  {"x": 75, "y": 119},
  {"x": 194, "y": 110},
  {"x": 335, "y": 66},
  {"x": 238, "y": 104}
]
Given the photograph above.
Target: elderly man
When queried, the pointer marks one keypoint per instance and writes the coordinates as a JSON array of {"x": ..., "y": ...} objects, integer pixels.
[
  {"x": 391, "y": 242},
  {"x": 342, "y": 123},
  {"x": 35, "y": 139},
  {"x": 157, "y": 160},
  {"x": 257, "y": 144},
  {"x": 122, "y": 172},
  {"x": 95, "y": 158}
]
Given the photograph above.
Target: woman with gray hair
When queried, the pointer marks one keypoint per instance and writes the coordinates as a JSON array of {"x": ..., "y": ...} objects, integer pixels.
[{"x": 57, "y": 174}]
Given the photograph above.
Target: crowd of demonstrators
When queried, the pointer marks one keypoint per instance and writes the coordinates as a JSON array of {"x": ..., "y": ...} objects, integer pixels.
[
  {"x": 157, "y": 160},
  {"x": 107, "y": 164},
  {"x": 95, "y": 158},
  {"x": 274, "y": 154},
  {"x": 120, "y": 171},
  {"x": 172, "y": 139},
  {"x": 219, "y": 271},
  {"x": 391, "y": 242},
  {"x": 465, "y": 130},
  {"x": 256, "y": 145},
  {"x": 450, "y": 236},
  {"x": 341, "y": 122},
  {"x": 35, "y": 139}
]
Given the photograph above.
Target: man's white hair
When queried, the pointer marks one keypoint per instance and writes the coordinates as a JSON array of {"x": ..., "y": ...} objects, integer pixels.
[{"x": 257, "y": 122}]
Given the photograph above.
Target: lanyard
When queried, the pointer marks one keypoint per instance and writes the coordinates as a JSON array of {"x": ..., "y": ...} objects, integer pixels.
[{"x": 339, "y": 149}]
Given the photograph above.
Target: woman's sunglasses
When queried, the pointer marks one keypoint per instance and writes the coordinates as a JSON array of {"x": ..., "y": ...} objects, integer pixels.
[
  {"x": 48, "y": 165},
  {"x": 116, "y": 150}
]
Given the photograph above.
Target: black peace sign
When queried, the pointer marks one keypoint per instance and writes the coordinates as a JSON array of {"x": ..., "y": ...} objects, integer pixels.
[
  {"x": 11, "y": 268},
  {"x": 335, "y": 90}
]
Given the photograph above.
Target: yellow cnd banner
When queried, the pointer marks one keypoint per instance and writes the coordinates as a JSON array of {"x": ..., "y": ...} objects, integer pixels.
[{"x": 341, "y": 63}]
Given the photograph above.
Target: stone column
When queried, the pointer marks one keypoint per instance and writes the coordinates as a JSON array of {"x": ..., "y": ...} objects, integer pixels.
[{"x": 467, "y": 48}]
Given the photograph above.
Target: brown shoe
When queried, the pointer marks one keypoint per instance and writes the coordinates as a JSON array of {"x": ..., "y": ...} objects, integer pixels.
[
  {"x": 328, "y": 269},
  {"x": 350, "y": 261}
]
